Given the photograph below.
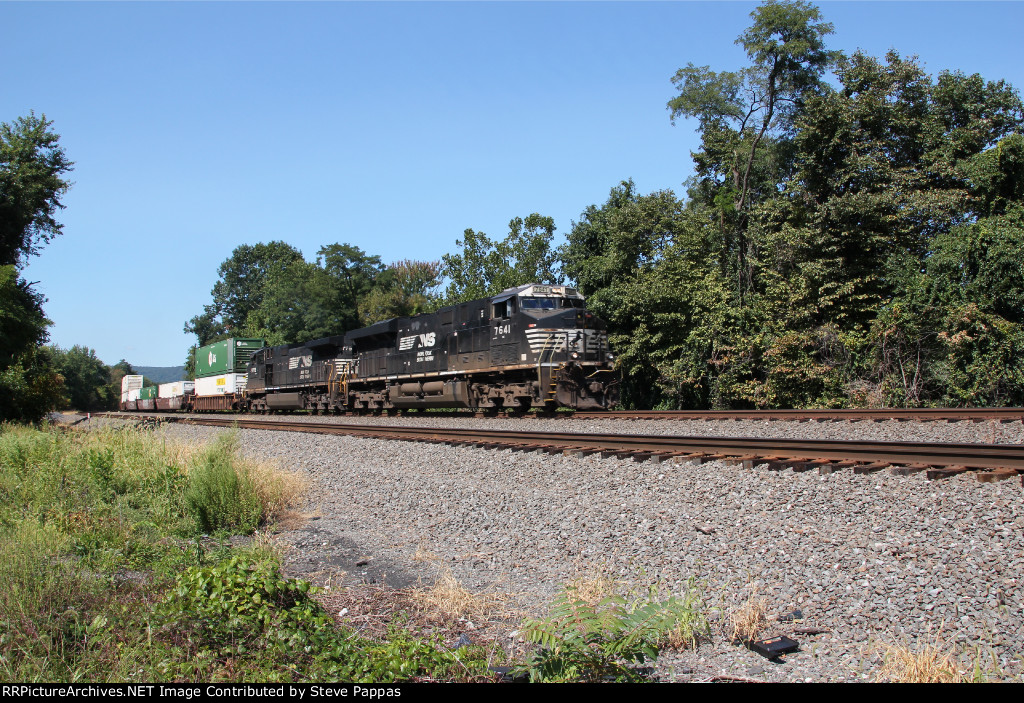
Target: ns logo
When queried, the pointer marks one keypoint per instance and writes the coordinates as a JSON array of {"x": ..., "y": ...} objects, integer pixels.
[{"x": 425, "y": 340}]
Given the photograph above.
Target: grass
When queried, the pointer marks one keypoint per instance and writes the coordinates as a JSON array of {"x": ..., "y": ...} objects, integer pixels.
[
  {"x": 224, "y": 493},
  {"x": 451, "y": 600},
  {"x": 747, "y": 622},
  {"x": 106, "y": 573},
  {"x": 933, "y": 662},
  {"x": 937, "y": 661}
]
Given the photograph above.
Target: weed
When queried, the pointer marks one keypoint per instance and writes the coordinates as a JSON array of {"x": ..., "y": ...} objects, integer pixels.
[
  {"x": 596, "y": 585},
  {"x": 240, "y": 620},
  {"x": 749, "y": 620},
  {"x": 225, "y": 493},
  {"x": 932, "y": 663},
  {"x": 219, "y": 494},
  {"x": 451, "y": 600},
  {"x": 587, "y": 641},
  {"x": 936, "y": 661}
]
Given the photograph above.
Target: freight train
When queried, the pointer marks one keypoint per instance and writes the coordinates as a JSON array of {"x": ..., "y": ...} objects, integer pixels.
[{"x": 533, "y": 346}]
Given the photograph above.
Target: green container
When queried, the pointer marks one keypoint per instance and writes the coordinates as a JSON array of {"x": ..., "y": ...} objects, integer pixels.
[
  {"x": 148, "y": 393},
  {"x": 227, "y": 356}
]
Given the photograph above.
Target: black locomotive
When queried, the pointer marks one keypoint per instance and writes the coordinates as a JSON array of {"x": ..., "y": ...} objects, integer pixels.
[{"x": 531, "y": 346}]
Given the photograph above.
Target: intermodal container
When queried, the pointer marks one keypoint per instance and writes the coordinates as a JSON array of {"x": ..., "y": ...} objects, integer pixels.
[
  {"x": 225, "y": 357},
  {"x": 220, "y": 385},
  {"x": 147, "y": 393},
  {"x": 176, "y": 388},
  {"x": 130, "y": 383}
]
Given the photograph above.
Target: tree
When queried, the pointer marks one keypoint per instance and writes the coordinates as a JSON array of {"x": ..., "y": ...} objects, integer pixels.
[
  {"x": 270, "y": 291},
  {"x": 243, "y": 281},
  {"x": 87, "y": 380},
  {"x": 647, "y": 266},
  {"x": 30, "y": 387},
  {"x": 405, "y": 288},
  {"x": 351, "y": 275},
  {"x": 297, "y": 305},
  {"x": 742, "y": 112},
  {"x": 22, "y": 321},
  {"x": 487, "y": 267},
  {"x": 32, "y": 165}
]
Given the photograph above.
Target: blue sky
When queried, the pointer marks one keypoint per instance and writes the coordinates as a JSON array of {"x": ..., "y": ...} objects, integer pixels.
[{"x": 196, "y": 127}]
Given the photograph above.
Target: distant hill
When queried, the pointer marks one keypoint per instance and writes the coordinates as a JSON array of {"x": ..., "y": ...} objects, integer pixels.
[{"x": 161, "y": 374}]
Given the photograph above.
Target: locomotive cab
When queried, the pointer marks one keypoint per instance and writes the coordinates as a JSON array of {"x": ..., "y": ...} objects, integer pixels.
[{"x": 567, "y": 344}]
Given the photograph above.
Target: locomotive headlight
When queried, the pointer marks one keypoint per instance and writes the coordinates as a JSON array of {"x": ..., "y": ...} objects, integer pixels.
[
  {"x": 575, "y": 355},
  {"x": 611, "y": 357}
]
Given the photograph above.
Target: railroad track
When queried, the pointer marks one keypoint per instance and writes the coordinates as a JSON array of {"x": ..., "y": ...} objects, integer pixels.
[
  {"x": 847, "y": 415},
  {"x": 990, "y": 462},
  {"x": 1002, "y": 415}
]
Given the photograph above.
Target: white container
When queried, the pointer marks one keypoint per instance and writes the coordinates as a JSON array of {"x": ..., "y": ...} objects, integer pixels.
[
  {"x": 221, "y": 385},
  {"x": 130, "y": 383},
  {"x": 133, "y": 394},
  {"x": 175, "y": 389}
]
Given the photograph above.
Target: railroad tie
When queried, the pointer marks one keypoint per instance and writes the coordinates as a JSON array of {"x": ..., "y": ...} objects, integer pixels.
[
  {"x": 697, "y": 458},
  {"x": 945, "y": 472},
  {"x": 806, "y": 465},
  {"x": 996, "y": 475},
  {"x": 831, "y": 467},
  {"x": 781, "y": 464},
  {"x": 871, "y": 468},
  {"x": 908, "y": 469}
]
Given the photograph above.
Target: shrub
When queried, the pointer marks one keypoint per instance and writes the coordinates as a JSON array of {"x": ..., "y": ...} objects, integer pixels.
[
  {"x": 586, "y": 641},
  {"x": 221, "y": 493}
]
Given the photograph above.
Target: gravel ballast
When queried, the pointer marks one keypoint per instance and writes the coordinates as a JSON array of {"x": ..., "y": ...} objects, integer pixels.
[{"x": 845, "y": 563}]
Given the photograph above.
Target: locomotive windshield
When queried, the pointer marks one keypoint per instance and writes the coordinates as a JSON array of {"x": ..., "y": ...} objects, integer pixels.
[{"x": 550, "y": 303}]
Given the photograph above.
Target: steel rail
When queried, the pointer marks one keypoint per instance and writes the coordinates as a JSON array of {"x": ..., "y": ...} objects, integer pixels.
[
  {"x": 904, "y": 414},
  {"x": 970, "y": 455}
]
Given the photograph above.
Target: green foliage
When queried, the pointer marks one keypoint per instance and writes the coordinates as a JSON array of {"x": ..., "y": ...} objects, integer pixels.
[
  {"x": 245, "y": 279},
  {"x": 76, "y": 512},
  {"x": 22, "y": 321},
  {"x": 88, "y": 382},
  {"x": 242, "y": 620},
  {"x": 487, "y": 267},
  {"x": 405, "y": 288},
  {"x": 221, "y": 493},
  {"x": 270, "y": 291},
  {"x": 30, "y": 387},
  {"x": 97, "y": 582},
  {"x": 581, "y": 641},
  {"x": 32, "y": 166},
  {"x": 850, "y": 245}
]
